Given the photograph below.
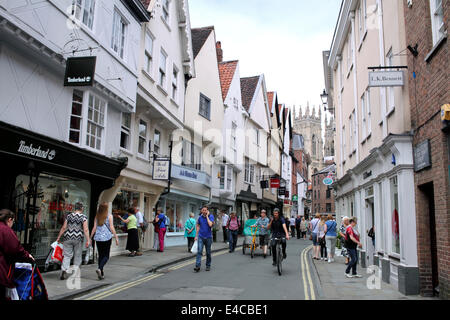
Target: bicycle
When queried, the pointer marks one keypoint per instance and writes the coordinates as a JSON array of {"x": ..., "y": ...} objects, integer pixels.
[
  {"x": 279, "y": 253},
  {"x": 253, "y": 244}
]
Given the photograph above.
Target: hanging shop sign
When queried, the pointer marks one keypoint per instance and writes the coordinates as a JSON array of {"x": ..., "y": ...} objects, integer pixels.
[
  {"x": 187, "y": 174},
  {"x": 275, "y": 183},
  {"x": 422, "y": 156},
  {"x": 328, "y": 181},
  {"x": 282, "y": 191},
  {"x": 264, "y": 184},
  {"x": 161, "y": 168},
  {"x": 386, "y": 78},
  {"x": 295, "y": 198},
  {"x": 80, "y": 71}
]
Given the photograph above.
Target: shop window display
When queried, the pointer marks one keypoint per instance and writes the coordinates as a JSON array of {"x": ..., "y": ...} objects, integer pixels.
[
  {"x": 122, "y": 202},
  {"x": 176, "y": 215},
  {"x": 48, "y": 205},
  {"x": 395, "y": 216}
]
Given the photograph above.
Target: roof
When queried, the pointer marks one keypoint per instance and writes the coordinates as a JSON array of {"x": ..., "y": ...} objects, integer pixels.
[
  {"x": 248, "y": 88},
  {"x": 270, "y": 98},
  {"x": 326, "y": 170},
  {"x": 226, "y": 73},
  {"x": 199, "y": 36}
]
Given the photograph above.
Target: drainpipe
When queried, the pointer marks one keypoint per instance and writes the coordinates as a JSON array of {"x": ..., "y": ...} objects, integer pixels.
[{"x": 169, "y": 182}]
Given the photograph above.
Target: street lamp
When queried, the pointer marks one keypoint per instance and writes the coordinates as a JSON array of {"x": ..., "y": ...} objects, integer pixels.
[{"x": 324, "y": 97}]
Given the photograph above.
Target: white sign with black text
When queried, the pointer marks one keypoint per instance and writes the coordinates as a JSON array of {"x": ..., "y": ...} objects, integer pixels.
[
  {"x": 386, "y": 79},
  {"x": 161, "y": 169}
]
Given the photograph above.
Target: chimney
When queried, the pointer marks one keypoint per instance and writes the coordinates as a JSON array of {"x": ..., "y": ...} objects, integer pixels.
[{"x": 219, "y": 51}]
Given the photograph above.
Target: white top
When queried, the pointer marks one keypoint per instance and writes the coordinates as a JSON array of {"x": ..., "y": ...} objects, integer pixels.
[
  {"x": 315, "y": 225},
  {"x": 140, "y": 218},
  {"x": 292, "y": 220},
  {"x": 225, "y": 220}
]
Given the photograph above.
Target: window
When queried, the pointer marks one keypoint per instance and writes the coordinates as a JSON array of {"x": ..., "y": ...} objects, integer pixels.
[
  {"x": 257, "y": 137},
  {"x": 350, "y": 120},
  {"x": 118, "y": 34},
  {"x": 83, "y": 10},
  {"x": 328, "y": 193},
  {"x": 344, "y": 145},
  {"x": 249, "y": 172},
  {"x": 157, "y": 141},
  {"x": 222, "y": 177},
  {"x": 76, "y": 117},
  {"x": 395, "y": 216},
  {"x": 142, "y": 144},
  {"x": 349, "y": 52},
  {"x": 355, "y": 130},
  {"x": 162, "y": 68},
  {"x": 205, "y": 107},
  {"x": 437, "y": 20},
  {"x": 125, "y": 131},
  {"x": 175, "y": 83},
  {"x": 363, "y": 116},
  {"x": 391, "y": 92},
  {"x": 328, "y": 209},
  {"x": 369, "y": 113},
  {"x": 96, "y": 122},
  {"x": 362, "y": 16},
  {"x": 165, "y": 10},
  {"x": 229, "y": 177},
  {"x": 233, "y": 136},
  {"x": 148, "y": 53},
  {"x": 235, "y": 103}
]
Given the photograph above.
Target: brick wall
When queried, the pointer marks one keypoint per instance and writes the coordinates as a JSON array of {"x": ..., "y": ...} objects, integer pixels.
[
  {"x": 321, "y": 202},
  {"x": 428, "y": 92}
]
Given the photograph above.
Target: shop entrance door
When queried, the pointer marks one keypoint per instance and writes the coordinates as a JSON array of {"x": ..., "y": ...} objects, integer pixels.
[{"x": 370, "y": 218}]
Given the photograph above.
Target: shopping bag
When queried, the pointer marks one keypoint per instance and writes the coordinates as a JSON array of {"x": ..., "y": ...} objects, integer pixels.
[
  {"x": 57, "y": 254},
  {"x": 11, "y": 294},
  {"x": 195, "y": 247}
]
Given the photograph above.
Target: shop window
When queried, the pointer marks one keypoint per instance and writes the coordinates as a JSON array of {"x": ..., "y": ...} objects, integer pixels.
[
  {"x": 54, "y": 197},
  {"x": 125, "y": 131},
  {"x": 83, "y": 10},
  {"x": 328, "y": 209},
  {"x": 395, "y": 216},
  {"x": 222, "y": 177},
  {"x": 142, "y": 146},
  {"x": 76, "y": 117},
  {"x": 121, "y": 203},
  {"x": 118, "y": 34},
  {"x": 96, "y": 122},
  {"x": 176, "y": 216}
]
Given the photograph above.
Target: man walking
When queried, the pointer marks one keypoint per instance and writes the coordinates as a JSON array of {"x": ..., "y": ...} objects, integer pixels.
[
  {"x": 204, "y": 236},
  {"x": 225, "y": 218},
  {"x": 298, "y": 222},
  {"x": 292, "y": 226},
  {"x": 73, "y": 228}
]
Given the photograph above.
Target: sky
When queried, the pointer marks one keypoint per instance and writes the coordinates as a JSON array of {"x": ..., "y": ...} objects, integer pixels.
[{"x": 281, "y": 39}]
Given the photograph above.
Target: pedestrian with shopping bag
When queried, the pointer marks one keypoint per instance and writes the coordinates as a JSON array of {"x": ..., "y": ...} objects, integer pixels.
[
  {"x": 103, "y": 232},
  {"x": 11, "y": 251},
  {"x": 189, "y": 231},
  {"x": 72, "y": 232}
]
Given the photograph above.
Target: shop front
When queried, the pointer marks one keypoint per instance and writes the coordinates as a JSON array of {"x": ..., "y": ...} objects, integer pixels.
[
  {"x": 247, "y": 206},
  {"x": 190, "y": 190},
  {"x": 378, "y": 192},
  {"x": 43, "y": 178}
]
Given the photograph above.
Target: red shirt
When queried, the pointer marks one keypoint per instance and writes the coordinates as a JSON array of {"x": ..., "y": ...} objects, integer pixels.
[{"x": 353, "y": 232}]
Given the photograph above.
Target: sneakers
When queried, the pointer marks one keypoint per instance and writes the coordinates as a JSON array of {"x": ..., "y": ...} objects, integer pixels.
[
  {"x": 197, "y": 269},
  {"x": 99, "y": 274},
  {"x": 357, "y": 276},
  {"x": 208, "y": 268},
  {"x": 348, "y": 275},
  {"x": 62, "y": 276},
  {"x": 284, "y": 256},
  {"x": 330, "y": 260},
  {"x": 321, "y": 259},
  {"x": 139, "y": 254}
]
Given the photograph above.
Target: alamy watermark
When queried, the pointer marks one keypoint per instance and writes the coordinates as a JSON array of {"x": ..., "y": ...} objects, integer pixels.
[{"x": 374, "y": 280}]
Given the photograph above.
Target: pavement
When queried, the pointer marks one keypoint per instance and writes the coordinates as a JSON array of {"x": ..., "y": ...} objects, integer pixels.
[
  {"x": 118, "y": 269},
  {"x": 334, "y": 285}
]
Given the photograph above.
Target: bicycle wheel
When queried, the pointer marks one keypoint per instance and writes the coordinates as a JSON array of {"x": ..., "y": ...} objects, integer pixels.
[
  {"x": 243, "y": 248},
  {"x": 279, "y": 260}
]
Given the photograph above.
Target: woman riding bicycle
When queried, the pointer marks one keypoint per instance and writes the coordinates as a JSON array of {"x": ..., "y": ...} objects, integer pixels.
[{"x": 278, "y": 227}]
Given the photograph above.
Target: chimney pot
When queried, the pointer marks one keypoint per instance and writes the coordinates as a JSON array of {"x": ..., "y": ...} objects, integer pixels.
[{"x": 219, "y": 51}]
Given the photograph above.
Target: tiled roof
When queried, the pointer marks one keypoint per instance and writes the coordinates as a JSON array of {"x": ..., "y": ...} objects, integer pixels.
[
  {"x": 226, "y": 73},
  {"x": 199, "y": 36},
  {"x": 248, "y": 87},
  {"x": 270, "y": 98}
]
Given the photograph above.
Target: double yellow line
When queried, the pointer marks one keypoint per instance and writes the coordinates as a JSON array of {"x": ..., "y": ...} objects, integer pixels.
[
  {"x": 134, "y": 283},
  {"x": 307, "y": 275}
]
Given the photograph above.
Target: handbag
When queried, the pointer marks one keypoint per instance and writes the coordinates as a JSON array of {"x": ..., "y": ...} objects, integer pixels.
[{"x": 312, "y": 229}]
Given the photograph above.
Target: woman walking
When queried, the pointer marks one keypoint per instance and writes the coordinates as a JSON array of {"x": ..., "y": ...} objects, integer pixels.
[
  {"x": 233, "y": 228},
  {"x": 189, "y": 231},
  {"x": 321, "y": 235},
  {"x": 303, "y": 227},
  {"x": 342, "y": 230},
  {"x": 133, "y": 238},
  {"x": 102, "y": 233},
  {"x": 314, "y": 229},
  {"x": 11, "y": 252},
  {"x": 352, "y": 244},
  {"x": 330, "y": 237}
]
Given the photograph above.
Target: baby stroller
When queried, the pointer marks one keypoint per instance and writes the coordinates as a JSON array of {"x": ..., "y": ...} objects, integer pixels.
[{"x": 29, "y": 283}]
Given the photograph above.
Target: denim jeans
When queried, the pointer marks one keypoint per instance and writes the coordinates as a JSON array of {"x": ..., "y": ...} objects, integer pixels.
[
  {"x": 353, "y": 253},
  {"x": 232, "y": 238},
  {"x": 207, "y": 243}
]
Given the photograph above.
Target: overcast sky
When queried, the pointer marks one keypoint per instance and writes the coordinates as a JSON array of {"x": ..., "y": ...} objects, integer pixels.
[{"x": 282, "y": 39}]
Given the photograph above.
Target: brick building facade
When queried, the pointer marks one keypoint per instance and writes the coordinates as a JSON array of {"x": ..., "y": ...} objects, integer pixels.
[
  {"x": 428, "y": 76},
  {"x": 322, "y": 195}
]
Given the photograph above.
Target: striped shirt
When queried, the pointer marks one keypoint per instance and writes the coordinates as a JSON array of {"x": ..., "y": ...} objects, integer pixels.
[{"x": 74, "y": 230}]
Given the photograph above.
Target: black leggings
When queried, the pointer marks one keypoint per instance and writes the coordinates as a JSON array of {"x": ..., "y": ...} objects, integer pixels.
[
  {"x": 103, "y": 248},
  {"x": 322, "y": 250},
  {"x": 274, "y": 248},
  {"x": 191, "y": 241}
]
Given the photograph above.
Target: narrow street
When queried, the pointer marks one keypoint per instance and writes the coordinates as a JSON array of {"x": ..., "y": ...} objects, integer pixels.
[{"x": 232, "y": 276}]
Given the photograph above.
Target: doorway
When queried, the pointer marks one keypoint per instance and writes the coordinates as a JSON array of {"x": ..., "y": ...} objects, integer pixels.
[
  {"x": 370, "y": 243},
  {"x": 430, "y": 217}
]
